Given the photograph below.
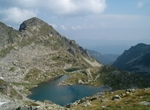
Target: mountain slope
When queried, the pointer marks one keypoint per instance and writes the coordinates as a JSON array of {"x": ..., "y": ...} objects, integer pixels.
[
  {"x": 38, "y": 47},
  {"x": 135, "y": 59},
  {"x": 104, "y": 59},
  {"x": 38, "y": 53}
]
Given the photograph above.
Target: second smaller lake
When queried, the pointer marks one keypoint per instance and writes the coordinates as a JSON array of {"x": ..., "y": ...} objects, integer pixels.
[{"x": 63, "y": 95}]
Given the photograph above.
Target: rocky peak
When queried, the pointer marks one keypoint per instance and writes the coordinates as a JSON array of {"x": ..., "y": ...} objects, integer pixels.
[
  {"x": 32, "y": 24},
  {"x": 37, "y": 27},
  {"x": 141, "y": 45}
]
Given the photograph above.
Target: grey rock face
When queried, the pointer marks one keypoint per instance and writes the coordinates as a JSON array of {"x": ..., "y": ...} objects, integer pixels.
[{"x": 32, "y": 23}]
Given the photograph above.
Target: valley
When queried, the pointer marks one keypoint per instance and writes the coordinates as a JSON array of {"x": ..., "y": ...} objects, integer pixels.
[{"x": 37, "y": 53}]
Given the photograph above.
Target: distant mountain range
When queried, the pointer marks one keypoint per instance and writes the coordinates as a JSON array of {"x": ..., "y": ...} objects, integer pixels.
[
  {"x": 135, "y": 59},
  {"x": 106, "y": 59}
]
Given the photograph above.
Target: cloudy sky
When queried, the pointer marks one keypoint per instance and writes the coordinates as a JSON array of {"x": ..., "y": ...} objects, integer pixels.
[{"x": 92, "y": 23}]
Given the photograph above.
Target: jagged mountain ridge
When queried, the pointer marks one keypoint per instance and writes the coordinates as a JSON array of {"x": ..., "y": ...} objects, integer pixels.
[
  {"x": 135, "y": 59},
  {"x": 38, "y": 47}
]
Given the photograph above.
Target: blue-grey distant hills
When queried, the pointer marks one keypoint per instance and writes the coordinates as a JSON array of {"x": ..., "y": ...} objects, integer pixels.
[
  {"x": 106, "y": 59},
  {"x": 135, "y": 59}
]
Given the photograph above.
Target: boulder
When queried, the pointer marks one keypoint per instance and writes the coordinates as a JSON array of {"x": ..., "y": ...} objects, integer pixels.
[
  {"x": 87, "y": 103},
  {"x": 94, "y": 98},
  {"x": 144, "y": 103},
  {"x": 72, "y": 51},
  {"x": 104, "y": 100},
  {"x": 70, "y": 105},
  {"x": 116, "y": 97},
  {"x": 130, "y": 90},
  {"x": 104, "y": 107},
  {"x": 80, "y": 81}
]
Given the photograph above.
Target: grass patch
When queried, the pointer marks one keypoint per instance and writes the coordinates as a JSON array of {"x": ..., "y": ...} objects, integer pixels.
[
  {"x": 33, "y": 75},
  {"x": 31, "y": 103},
  {"x": 75, "y": 77},
  {"x": 118, "y": 79},
  {"x": 5, "y": 51},
  {"x": 27, "y": 86},
  {"x": 12, "y": 69},
  {"x": 8, "y": 90},
  {"x": 25, "y": 42},
  {"x": 129, "y": 102}
]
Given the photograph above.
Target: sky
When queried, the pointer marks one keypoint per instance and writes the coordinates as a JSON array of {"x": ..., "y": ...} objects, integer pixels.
[{"x": 107, "y": 26}]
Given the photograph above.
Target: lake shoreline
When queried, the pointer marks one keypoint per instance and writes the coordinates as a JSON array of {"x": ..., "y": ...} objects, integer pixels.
[{"x": 63, "y": 95}]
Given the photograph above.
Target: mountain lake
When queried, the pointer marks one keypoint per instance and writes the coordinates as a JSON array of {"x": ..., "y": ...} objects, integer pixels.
[{"x": 63, "y": 95}]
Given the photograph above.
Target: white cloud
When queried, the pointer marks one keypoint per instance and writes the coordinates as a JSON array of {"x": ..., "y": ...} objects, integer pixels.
[
  {"x": 17, "y": 15},
  {"x": 140, "y": 4},
  {"x": 28, "y": 3},
  {"x": 76, "y": 27},
  {"x": 120, "y": 17},
  {"x": 63, "y": 27},
  {"x": 13, "y": 12},
  {"x": 60, "y": 7},
  {"x": 102, "y": 21},
  {"x": 107, "y": 21},
  {"x": 71, "y": 7}
]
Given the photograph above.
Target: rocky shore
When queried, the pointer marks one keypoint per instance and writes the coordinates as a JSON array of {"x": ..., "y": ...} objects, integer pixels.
[{"x": 15, "y": 104}]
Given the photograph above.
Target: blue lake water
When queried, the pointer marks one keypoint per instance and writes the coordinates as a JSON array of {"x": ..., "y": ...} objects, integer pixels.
[{"x": 63, "y": 95}]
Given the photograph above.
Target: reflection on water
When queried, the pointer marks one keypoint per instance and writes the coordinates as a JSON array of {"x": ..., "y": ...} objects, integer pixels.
[{"x": 63, "y": 95}]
